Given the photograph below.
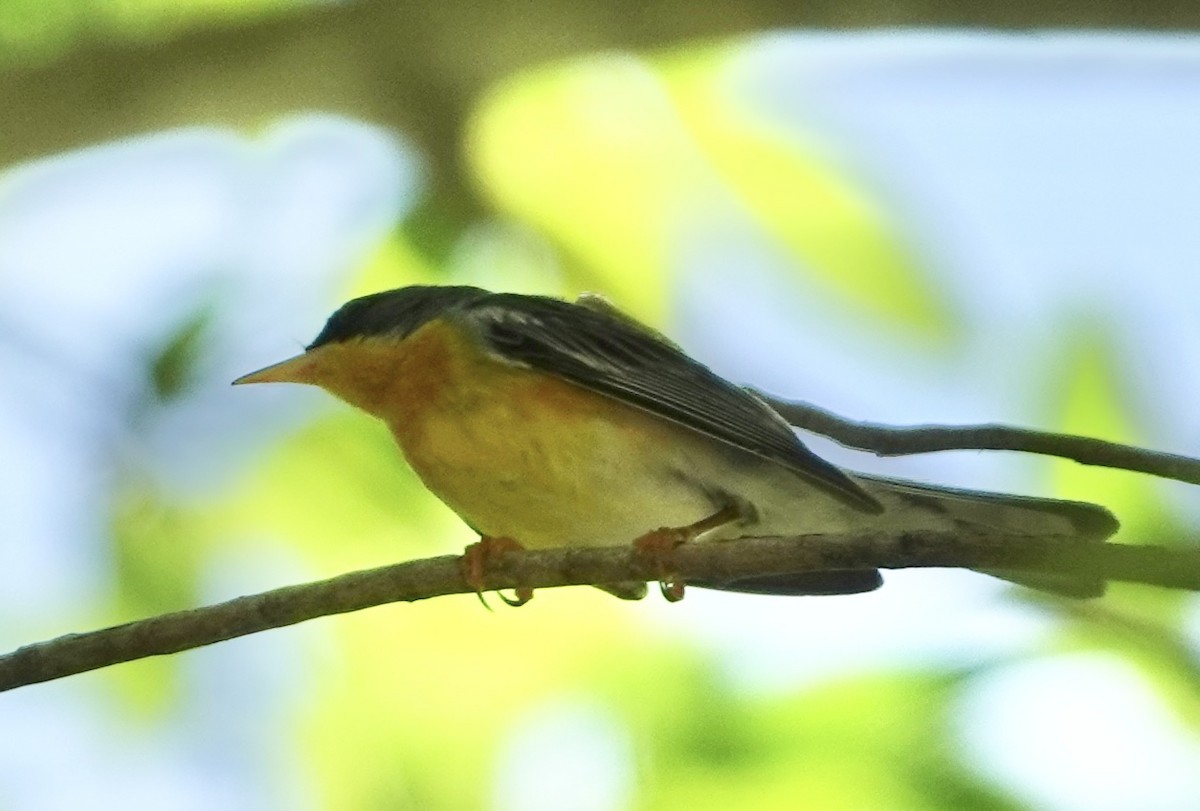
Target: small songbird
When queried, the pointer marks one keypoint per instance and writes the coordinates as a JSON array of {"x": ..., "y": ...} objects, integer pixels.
[{"x": 545, "y": 423}]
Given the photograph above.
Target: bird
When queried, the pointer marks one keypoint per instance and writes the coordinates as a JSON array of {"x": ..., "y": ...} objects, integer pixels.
[{"x": 546, "y": 423}]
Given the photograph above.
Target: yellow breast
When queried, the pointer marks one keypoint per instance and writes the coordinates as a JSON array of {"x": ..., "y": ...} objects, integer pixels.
[{"x": 525, "y": 455}]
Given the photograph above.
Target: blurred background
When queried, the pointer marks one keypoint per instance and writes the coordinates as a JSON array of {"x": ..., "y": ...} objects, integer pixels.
[{"x": 903, "y": 212}]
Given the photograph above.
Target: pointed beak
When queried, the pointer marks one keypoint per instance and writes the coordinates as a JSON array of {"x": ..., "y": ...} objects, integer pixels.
[{"x": 293, "y": 370}]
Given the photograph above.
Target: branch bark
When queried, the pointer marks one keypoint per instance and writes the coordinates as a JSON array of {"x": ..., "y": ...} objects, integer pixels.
[
  {"x": 729, "y": 560},
  {"x": 890, "y": 440}
]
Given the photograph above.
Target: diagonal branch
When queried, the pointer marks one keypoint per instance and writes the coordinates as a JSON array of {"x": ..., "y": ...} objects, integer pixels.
[
  {"x": 713, "y": 562},
  {"x": 888, "y": 440}
]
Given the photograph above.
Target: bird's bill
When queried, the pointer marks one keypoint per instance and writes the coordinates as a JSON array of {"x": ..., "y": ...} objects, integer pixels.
[{"x": 293, "y": 370}]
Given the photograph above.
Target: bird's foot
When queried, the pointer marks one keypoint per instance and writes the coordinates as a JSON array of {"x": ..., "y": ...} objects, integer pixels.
[
  {"x": 476, "y": 559},
  {"x": 657, "y": 546}
]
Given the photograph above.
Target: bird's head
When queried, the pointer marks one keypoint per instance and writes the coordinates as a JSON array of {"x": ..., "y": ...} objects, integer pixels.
[{"x": 355, "y": 355}]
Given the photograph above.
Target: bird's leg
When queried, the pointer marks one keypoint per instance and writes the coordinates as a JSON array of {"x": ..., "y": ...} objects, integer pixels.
[
  {"x": 478, "y": 556},
  {"x": 657, "y": 545}
]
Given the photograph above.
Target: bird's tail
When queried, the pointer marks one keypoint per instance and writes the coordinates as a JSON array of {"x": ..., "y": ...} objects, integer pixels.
[
  {"x": 979, "y": 511},
  {"x": 913, "y": 506}
]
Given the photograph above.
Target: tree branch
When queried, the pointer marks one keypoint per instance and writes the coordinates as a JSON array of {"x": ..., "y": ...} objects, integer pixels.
[
  {"x": 888, "y": 440},
  {"x": 723, "y": 561}
]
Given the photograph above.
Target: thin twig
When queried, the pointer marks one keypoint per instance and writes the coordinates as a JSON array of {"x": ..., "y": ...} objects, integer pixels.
[
  {"x": 713, "y": 562},
  {"x": 888, "y": 440}
]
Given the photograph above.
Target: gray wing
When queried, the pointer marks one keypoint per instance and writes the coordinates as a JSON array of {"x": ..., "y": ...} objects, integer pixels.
[{"x": 617, "y": 357}]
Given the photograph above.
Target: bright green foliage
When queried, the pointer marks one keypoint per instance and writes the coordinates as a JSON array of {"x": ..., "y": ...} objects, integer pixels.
[
  {"x": 158, "y": 553},
  {"x": 35, "y": 30},
  {"x": 805, "y": 195},
  {"x": 1094, "y": 402},
  {"x": 620, "y": 160},
  {"x": 866, "y": 742},
  {"x": 594, "y": 154}
]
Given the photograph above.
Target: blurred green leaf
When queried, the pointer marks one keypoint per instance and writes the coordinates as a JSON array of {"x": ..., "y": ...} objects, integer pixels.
[
  {"x": 172, "y": 369},
  {"x": 1090, "y": 399},
  {"x": 1140, "y": 623},
  {"x": 340, "y": 493},
  {"x": 158, "y": 550},
  {"x": 620, "y": 159},
  {"x": 40, "y": 30},
  {"x": 33, "y": 29},
  {"x": 1144, "y": 627},
  {"x": 804, "y": 195},
  {"x": 865, "y": 742},
  {"x": 593, "y": 153}
]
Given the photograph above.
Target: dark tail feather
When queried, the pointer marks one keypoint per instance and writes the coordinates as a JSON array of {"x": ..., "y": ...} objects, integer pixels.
[
  {"x": 1063, "y": 585},
  {"x": 848, "y": 581},
  {"x": 981, "y": 511}
]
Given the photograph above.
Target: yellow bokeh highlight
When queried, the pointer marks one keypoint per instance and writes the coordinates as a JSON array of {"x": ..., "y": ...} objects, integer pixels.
[
  {"x": 420, "y": 699},
  {"x": 803, "y": 197},
  {"x": 594, "y": 154},
  {"x": 340, "y": 493},
  {"x": 394, "y": 263},
  {"x": 1092, "y": 404},
  {"x": 855, "y": 744},
  {"x": 1141, "y": 625},
  {"x": 621, "y": 160}
]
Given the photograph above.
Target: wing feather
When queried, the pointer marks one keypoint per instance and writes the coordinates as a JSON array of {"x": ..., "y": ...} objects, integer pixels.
[{"x": 619, "y": 358}]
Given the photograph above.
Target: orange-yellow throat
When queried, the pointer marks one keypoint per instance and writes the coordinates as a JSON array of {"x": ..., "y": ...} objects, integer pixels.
[{"x": 514, "y": 452}]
